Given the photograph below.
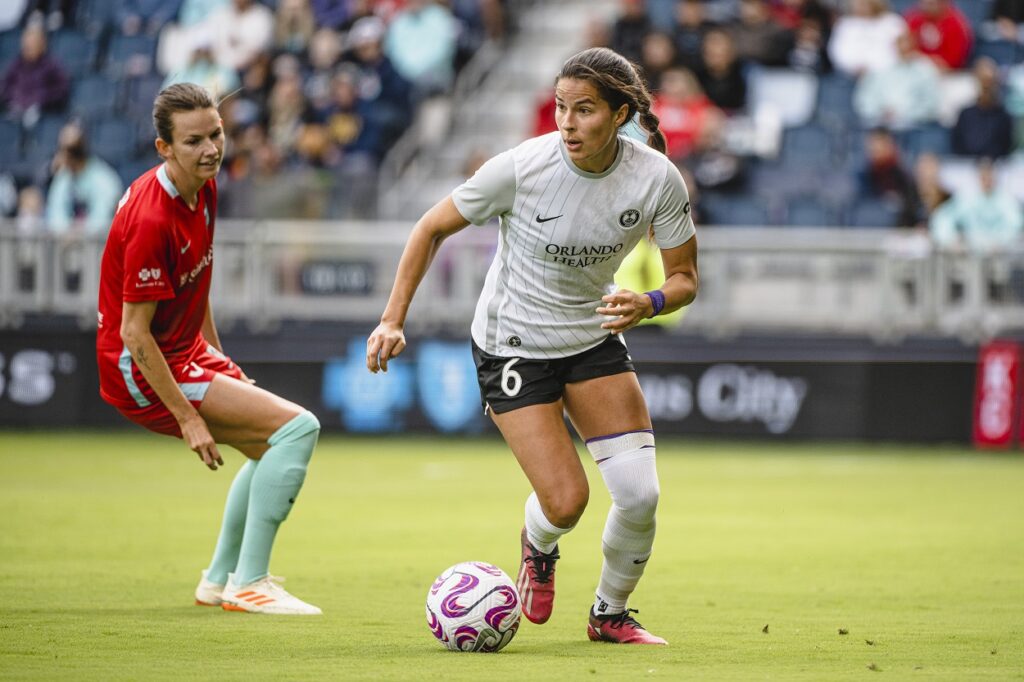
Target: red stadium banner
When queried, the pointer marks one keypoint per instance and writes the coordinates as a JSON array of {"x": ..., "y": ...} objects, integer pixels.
[{"x": 996, "y": 395}]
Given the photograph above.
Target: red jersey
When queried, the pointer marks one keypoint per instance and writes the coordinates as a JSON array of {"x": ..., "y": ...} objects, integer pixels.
[
  {"x": 161, "y": 250},
  {"x": 947, "y": 38}
]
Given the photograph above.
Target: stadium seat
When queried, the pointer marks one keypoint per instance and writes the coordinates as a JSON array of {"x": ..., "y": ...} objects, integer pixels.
[
  {"x": 75, "y": 52},
  {"x": 976, "y": 11},
  {"x": 93, "y": 96},
  {"x": 1003, "y": 52},
  {"x": 129, "y": 56},
  {"x": 809, "y": 145},
  {"x": 41, "y": 141},
  {"x": 810, "y": 212},
  {"x": 789, "y": 94},
  {"x": 131, "y": 169},
  {"x": 139, "y": 93},
  {"x": 835, "y": 99},
  {"x": 10, "y": 45},
  {"x": 736, "y": 209},
  {"x": 929, "y": 138},
  {"x": 113, "y": 139},
  {"x": 10, "y": 144},
  {"x": 871, "y": 213}
]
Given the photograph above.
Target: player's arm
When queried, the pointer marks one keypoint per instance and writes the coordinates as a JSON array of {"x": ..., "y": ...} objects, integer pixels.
[
  {"x": 678, "y": 290},
  {"x": 136, "y": 321},
  {"x": 388, "y": 339}
]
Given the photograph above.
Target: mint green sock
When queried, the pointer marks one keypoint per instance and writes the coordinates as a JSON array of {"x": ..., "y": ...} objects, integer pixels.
[
  {"x": 225, "y": 555},
  {"x": 275, "y": 485}
]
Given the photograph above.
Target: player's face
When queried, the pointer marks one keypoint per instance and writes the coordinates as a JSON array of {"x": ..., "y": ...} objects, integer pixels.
[
  {"x": 587, "y": 124},
  {"x": 198, "y": 145}
]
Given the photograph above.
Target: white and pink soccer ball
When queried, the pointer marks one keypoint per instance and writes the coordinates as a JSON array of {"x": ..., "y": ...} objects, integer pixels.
[{"x": 473, "y": 606}]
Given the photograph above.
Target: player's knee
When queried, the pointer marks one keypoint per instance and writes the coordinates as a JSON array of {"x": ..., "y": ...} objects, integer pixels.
[
  {"x": 639, "y": 502},
  {"x": 565, "y": 509}
]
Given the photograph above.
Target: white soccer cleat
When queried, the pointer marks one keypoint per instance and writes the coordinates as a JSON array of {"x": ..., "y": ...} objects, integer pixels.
[
  {"x": 208, "y": 593},
  {"x": 264, "y": 596}
]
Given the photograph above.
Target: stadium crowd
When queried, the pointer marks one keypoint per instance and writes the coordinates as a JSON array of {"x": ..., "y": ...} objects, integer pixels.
[{"x": 780, "y": 112}]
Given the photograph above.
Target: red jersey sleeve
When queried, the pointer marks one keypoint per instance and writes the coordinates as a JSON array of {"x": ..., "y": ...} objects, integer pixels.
[{"x": 148, "y": 263}]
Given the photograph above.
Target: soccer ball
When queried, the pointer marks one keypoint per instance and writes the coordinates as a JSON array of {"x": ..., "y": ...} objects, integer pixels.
[{"x": 473, "y": 606}]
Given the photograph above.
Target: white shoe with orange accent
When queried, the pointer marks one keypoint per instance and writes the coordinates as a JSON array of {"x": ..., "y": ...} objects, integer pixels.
[
  {"x": 208, "y": 593},
  {"x": 264, "y": 596}
]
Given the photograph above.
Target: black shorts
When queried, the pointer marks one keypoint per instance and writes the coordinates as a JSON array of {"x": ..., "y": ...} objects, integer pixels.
[{"x": 508, "y": 383}]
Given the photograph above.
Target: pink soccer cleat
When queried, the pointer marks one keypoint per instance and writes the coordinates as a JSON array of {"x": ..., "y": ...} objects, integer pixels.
[
  {"x": 620, "y": 628},
  {"x": 536, "y": 581}
]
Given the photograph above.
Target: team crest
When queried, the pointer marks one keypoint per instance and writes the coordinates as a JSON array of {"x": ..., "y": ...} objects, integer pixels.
[{"x": 629, "y": 218}]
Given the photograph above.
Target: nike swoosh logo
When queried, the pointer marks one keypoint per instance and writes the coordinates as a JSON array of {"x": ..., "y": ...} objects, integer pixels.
[
  {"x": 641, "y": 561},
  {"x": 544, "y": 220},
  {"x": 185, "y": 248}
]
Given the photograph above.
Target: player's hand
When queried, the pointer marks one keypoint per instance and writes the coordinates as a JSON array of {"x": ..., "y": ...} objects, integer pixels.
[
  {"x": 627, "y": 307},
  {"x": 197, "y": 436},
  {"x": 387, "y": 341}
]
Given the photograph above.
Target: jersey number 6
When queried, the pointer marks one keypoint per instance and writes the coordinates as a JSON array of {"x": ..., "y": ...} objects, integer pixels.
[{"x": 511, "y": 380}]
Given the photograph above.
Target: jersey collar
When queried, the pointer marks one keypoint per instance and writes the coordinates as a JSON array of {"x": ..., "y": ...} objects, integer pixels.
[
  {"x": 594, "y": 176},
  {"x": 165, "y": 182}
]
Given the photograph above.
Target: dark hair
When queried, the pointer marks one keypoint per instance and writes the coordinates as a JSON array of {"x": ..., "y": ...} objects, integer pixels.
[
  {"x": 618, "y": 82},
  {"x": 175, "y": 98}
]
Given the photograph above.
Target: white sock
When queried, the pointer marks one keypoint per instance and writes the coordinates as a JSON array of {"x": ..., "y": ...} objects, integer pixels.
[
  {"x": 542, "y": 533},
  {"x": 627, "y": 464}
]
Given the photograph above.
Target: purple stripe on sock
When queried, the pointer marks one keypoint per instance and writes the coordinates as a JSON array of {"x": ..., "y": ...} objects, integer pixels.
[{"x": 616, "y": 435}]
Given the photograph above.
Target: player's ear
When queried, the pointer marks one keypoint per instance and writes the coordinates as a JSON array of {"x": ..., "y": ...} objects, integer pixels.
[
  {"x": 163, "y": 149},
  {"x": 620, "y": 115}
]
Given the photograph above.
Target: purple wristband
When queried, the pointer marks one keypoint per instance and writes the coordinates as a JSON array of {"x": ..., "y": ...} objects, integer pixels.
[{"x": 657, "y": 301}]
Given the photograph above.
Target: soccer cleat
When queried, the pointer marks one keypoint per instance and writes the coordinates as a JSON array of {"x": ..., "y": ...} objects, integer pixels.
[
  {"x": 264, "y": 596},
  {"x": 208, "y": 593},
  {"x": 536, "y": 581},
  {"x": 619, "y": 628}
]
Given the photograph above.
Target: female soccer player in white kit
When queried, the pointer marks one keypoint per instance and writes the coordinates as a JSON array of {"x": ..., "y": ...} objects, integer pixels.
[{"x": 547, "y": 329}]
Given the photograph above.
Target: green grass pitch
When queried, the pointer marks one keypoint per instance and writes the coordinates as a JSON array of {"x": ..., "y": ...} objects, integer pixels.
[{"x": 804, "y": 562}]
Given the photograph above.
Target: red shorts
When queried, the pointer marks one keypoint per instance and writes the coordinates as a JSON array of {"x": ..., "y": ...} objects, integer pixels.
[{"x": 194, "y": 378}]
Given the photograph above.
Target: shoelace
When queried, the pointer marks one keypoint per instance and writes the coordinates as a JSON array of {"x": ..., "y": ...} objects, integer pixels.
[
  {"x": 543, "y": 565},
  {"x": 620, "y": 619}
]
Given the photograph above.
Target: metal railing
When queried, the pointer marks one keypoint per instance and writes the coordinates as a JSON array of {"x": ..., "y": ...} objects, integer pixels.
[{"x": 881, "y": 283}]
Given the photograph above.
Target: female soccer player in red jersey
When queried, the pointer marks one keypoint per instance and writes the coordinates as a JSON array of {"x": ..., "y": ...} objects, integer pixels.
[
  {"x": 547, "y": 330},
  {"x": 161, "y": 362}
]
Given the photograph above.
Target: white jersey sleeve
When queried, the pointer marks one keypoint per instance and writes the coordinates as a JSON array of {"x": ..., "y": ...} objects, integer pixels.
[
  {"x": 673, "y": 224},
  {"x": 490, "y": 192}
]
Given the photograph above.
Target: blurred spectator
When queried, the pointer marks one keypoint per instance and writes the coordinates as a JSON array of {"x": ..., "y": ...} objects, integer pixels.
[
  {"x": 629, "y": 30},
  {"x": 864, "y": 39},
  {"x": 684, "y": 110},
  {"x": 544, "y": 115},
  {"x": 202, "y": 70},
  {"x": 691, "y": 25},
  {"x": 241, "y": 31},
  {"x": 11, "y": 13},
  {"x": 721, "y": 73},
  {"x": 262, "y": 189},
  {"x": 144, "y": 16},
  {"x": 713, "y": 165},
  {"x": 52, "y": 13},
  {"x": 379, "y": 83},
  {"x": 902, "y": 96},
  {"x": 331, "y": 13},
  {"x": 324, "y": 51},
  {"x": 1008, "y": 16},
  {"x": 659, "y": 53},
  {"x": 178, "y": 39},
  {"x": 293, "y": 26},
  {"x": 421, "y": 44},
  {"x": 884, "y": 177},
  {"x": 31, "y": 217},
  {"x": 791, "y": 13},
  {"x": 286, "y": 106},
  {"x": 35, "y": 81},
  {"x": 987, "y": 220},
  {"x": 986, "y": 127},
  {"x": 809, "y": 51},
  {"x": 942, "y": 32},
  {"x": 931, "y": 192},
  {"x": 757, "y": 36},
  {"x": 479, "y": 21},
  {"x": 85, "y": 189}
]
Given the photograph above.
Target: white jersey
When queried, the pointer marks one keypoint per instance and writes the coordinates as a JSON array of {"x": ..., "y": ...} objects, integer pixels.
[{"x": 563, "y": 234}]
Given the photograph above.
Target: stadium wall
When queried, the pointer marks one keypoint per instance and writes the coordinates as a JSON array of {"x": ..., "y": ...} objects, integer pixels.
[{"x": 768, "y": 387}]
